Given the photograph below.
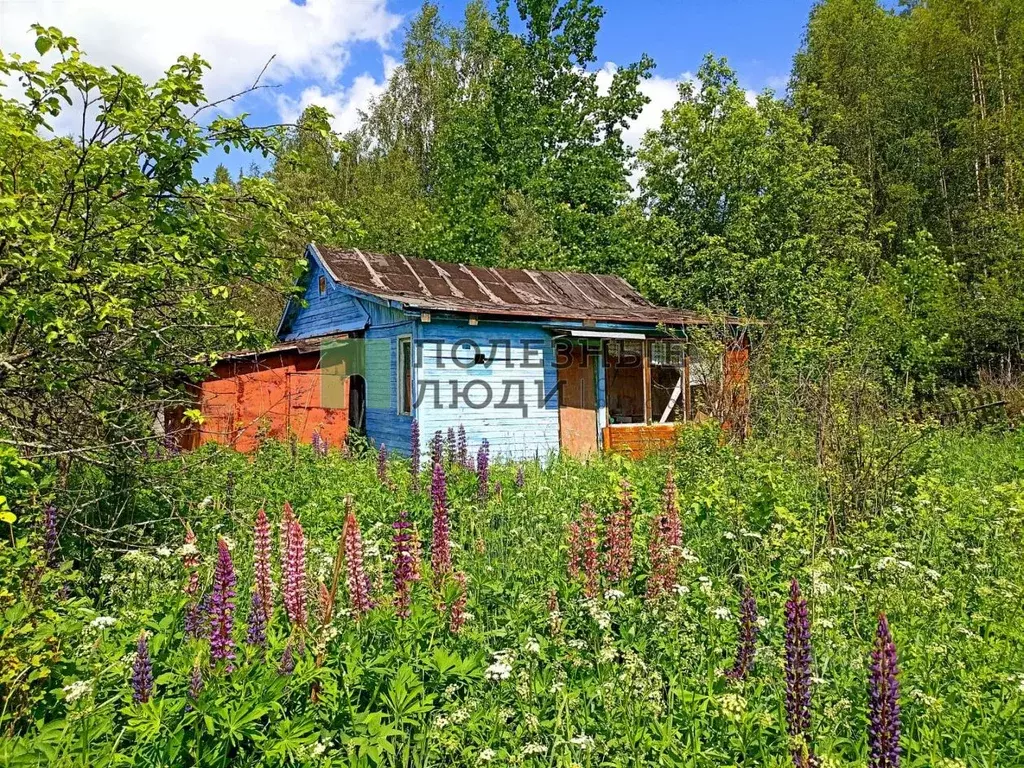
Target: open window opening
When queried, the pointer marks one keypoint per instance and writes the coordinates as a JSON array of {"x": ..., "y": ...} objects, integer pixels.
[
  {"x": 668, "y": 381},
  {"x": 405, "y": 375},
  {"x": 624, "y": 381},
  {"x": 322, "y": 285}
]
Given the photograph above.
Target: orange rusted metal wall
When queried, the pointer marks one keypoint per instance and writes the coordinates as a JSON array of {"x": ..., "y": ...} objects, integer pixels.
[{"x": 247, "y": 400}]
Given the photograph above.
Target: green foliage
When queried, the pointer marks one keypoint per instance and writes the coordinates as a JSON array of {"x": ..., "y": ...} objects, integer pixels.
[
  {"x": 609, "y": 681},
  {"x": 118, "y": 269}
]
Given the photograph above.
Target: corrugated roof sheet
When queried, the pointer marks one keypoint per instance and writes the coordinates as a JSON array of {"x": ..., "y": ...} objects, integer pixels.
[{"x": 436, "y": 286}]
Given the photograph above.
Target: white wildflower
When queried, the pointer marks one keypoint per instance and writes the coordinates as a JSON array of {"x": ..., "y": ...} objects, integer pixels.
[
  {"x": 102, "y": 622},
  {"x": 681, "y": 589},
  {"x": 614, "y": 594},
  {"x": 163, "y": 552},
  {"x": 729, "y": 535},
  {"x": 188, "y": 550},
  {"x": 498, "y": 671},
  {"x": 582, "y": 741},
  {"x": 534, "y": 749},
  {"x": 487, "y": 755},
  {"x": 722, "y": 612},
  {"x": 532, "y": 646},
  {"x": 206, "y": 502},
  {"x": 77, "y": 690}
]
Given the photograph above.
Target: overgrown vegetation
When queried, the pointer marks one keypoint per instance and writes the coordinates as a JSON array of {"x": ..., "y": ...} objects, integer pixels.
[
  {"x": 869, "y": 219},
  {"x": 534, "y": 672}
]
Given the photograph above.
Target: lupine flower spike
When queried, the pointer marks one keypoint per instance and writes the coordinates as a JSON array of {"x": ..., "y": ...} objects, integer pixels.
[
  {"x": 256, "y": 632},
  {"x": 382, "y": 465},
  {"x": 664, "y": 544},
  {"x": 261, "y": 563},
  {"x": 357, "y": 581},
  {"x": 190, "y": 561},
  {"x": 747, "y": 645},
  {"x": 449, "y": 446},
  {"x": 437, "y": 448},
  {"x": 619, "y": 537},
  {"x": 142, "y": 672},
  {"x": 320, "y": 446},
  {"x": 588, "y": 533},
  {"x": 50, "y": 543},
  {"x": 520, "y": 477},
  {"x": 196, "y": 683},
  {"x": 554, "y": 613},
  {"x": 483, "y": 463},
  {"x": 441, "y": 548},
  {"x": 287, "y": 665},
  {"x": 575, "y": 550},
  {"x": 463, "y": 447},
  {"x": 884, "y": 701},
  {"x": 403, "y": 573},
  {"x": 196, "y": 615},
  {"x": 798, "y": 678},
  {"x": 287, "y": 518},
  {"x": 414, "y": 454},
  {"x": 458, "y": 614},
  {"x": 294, "y": 579},
  {"x": 222, "y": 605}
]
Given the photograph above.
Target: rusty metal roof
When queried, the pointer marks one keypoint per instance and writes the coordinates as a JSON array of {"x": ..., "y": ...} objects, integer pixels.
[{"x": 430, "y": 285}]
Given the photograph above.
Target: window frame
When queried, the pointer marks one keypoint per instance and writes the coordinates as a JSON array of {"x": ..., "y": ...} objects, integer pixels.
[
  {"x": 404, "y": 370},
  {"x": 321, "y": 286},
  {"x": 651, "y": 418}
]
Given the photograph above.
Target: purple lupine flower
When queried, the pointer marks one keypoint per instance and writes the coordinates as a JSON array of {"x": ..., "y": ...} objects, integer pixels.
[
  {"x": 222, "y": 605},
  {"x": 884, "y": 701},
  {"x": 414, "y": 454},
  {"x": 798, "y": 678},
  {"x": 520, "y": 477},
  {"x": 196, "y": 615},
  {"x": 449, "y": 446},
  {"x": 463, "y": 447},
  {"x": 256, "y": 629},
  {"x": 437, "y": 448},
  {"x": 404, "y": 573},
  {"x": 441, "y": 548},
  {"x": 287, "y": 665},
  {"x": 294, "y": 577},
  {"x": 196, "y": 682},
  {"x": 320, "y": 445},
  {"x": 142, "y": 671},
  {"x": 618, "y": 559},
  {"x": 483, "y": 461},
  {"x": 50, "y": 543},
  {"x": 747, "y": 646},
  {"x": 382, "y": 464}
]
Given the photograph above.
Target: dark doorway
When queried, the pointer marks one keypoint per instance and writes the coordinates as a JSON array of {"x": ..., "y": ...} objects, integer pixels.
[{"x": 357, "y": 404}]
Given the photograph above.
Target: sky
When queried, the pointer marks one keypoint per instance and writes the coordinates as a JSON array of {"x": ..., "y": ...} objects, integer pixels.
[{"x": 339, "y": 53}]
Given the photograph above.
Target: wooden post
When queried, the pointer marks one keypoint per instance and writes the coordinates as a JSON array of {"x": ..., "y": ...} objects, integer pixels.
[{"x": 646, "y": 346}]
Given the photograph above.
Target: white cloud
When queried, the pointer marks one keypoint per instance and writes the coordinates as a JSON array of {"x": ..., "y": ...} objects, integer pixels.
[
  {"x": 309, "y": 41},
  {"x": 662, "y": 92},
  {"x": 345, "y": 104}
]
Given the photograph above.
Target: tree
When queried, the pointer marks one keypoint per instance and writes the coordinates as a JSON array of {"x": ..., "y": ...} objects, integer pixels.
[{"x": 120, "y": 272}]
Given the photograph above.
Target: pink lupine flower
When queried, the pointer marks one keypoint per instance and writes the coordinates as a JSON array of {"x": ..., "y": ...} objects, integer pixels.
[
  {"x": 664, "y": 545},
  {"x": 382, "y": 465},
  {"x": 575, "y": 550},
  {"x": 294, "y": 581},
  {"x": 457, "y": 619},
  {"x": 261, "y": 562},
  {"x": 588, "y": 534},
  {"x": 190, "y": 561},
  {"x": 287, "y": 518},
  {"x": 619, "y": 537},
  {"x": 416, "y": 553},
  {"x": 222, "y": 605},
  {"x": 355, "y": 575},
  {"x": 441, "y": 548}
]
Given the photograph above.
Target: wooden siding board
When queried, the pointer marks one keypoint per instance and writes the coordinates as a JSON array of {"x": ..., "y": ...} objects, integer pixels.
[
  {"x": 384, "y": 425},
  {"x": 338, "y": 311},
  {"x": 510, "y": 433}
]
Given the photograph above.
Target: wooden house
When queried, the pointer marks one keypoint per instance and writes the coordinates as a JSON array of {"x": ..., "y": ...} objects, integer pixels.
[{"x": 534, "y": 362}]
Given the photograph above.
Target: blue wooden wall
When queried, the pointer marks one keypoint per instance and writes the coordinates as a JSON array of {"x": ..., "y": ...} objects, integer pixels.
[
  {"x": 512, "y": 432},
  {"x": 338, "y": 311}
]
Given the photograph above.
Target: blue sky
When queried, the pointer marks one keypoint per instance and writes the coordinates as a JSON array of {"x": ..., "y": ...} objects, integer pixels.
[{"x": 338, "y": 53}]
